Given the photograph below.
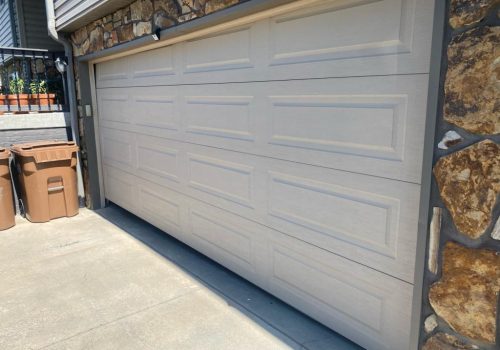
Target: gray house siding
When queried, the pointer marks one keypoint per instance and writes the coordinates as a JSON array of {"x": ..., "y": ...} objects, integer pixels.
[
  {"x": 68, "y": 10},
  {"x": 34, "y": 33},
  {"x": 71, "y": 14},
  {"x": 23, "y": 23},
  {"x": 6, "y": 36}
]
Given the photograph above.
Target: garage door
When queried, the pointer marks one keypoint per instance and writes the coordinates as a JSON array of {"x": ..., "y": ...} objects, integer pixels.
[{"x": 288, "y": 150}]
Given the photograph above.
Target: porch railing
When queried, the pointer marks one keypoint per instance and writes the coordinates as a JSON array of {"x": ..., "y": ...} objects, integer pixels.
[{"x": 30, "y": 81}]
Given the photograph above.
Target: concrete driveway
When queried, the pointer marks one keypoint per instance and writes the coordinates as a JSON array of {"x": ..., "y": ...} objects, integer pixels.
[{"x": 107, "y": 280}]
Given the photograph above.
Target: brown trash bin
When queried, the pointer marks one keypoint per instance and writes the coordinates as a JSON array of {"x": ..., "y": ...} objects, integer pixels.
[
  {"x": 7, "y": 211},
  {"x": 47, "y": 171}
]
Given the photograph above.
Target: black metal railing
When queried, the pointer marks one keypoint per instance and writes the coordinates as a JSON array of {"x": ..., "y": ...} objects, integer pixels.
[{"x": 30, "y": 81}]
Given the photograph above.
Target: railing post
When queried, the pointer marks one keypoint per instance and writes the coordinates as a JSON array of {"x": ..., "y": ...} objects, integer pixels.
[
  {"x": 16, "y": 81},
  {"x": 5, "y": 75},
  {"x": 37, "y": 81},
  {"x": 27, "y": 77},
  {"x": 46, "y": 77}
]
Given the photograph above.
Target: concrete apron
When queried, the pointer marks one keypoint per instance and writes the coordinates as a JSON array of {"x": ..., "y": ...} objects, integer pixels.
[{"x": 107, "y": 280}]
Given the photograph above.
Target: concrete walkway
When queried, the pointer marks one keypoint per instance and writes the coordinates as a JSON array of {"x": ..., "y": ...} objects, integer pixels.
[{"x": 107, "y": 280}]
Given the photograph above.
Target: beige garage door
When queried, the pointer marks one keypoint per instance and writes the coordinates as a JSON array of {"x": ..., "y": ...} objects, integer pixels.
[{"x": 288, "y": 150}]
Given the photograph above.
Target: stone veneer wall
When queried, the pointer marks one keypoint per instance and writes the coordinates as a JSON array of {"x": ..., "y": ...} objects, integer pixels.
[
  {"x": 140, "y": 18},
  {"x": 462, "y": 283}
]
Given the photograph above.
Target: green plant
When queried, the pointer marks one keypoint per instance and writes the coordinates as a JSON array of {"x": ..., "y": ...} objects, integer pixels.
[
  {"x": 38, "y": 87},
  {"x": 16, "y": 86}
]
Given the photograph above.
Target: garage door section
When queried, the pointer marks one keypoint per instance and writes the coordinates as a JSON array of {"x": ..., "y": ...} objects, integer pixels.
[{"x": 288, "y": 150}]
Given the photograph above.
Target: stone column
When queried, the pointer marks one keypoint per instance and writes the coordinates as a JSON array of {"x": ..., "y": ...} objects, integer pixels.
[{"x": 463, "y": 277}]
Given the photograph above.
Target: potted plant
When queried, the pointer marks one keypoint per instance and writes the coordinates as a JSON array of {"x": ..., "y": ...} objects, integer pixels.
[
  {"x": 16, "y": 93},
  {"x": 39, "y": 95}
]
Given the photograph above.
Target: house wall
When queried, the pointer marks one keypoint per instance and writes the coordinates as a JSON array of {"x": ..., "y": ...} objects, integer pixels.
[
  {"x": 7, "y": 38},
  {"x": 34, "y": 33},
  {"x": 30, "y": 27},
  {"x": 20, "y": 128},
  {"x": 9, "y": 137},
  {"x": 462, "y": 282}
]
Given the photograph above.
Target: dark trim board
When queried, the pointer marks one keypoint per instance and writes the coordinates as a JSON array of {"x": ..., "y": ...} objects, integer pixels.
[
  {"x": 89, "y": 138},
  {"x": 426, "y": 183}
]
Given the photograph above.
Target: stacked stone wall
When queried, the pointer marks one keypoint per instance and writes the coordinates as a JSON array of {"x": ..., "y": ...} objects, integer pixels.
[
  {"x": 462, "y": 283},
  {"x": 140, "y": 18}
]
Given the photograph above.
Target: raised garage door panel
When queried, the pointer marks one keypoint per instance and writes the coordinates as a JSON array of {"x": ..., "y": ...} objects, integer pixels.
[
  {"x": 365, "y": 305},
  {"x": 288, "y": 150},
  {"x": 334, "y": 39},
  {"x": 366, "y": 219},
  {"x": 371, "y": 125}
]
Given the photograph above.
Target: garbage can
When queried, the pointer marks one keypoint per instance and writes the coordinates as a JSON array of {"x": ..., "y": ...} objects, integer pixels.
[
  {"x": 7, "y": 211},
  {"x": 47, "y": 175}
]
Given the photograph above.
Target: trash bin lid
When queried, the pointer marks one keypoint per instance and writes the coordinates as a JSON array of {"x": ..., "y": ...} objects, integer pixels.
[
  {"x": 4, "y": 153},
  {"x": 46, "y": 151}
]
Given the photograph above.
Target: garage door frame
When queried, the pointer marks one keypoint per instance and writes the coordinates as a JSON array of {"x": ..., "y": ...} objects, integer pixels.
[{"x": 232, "y": 17}]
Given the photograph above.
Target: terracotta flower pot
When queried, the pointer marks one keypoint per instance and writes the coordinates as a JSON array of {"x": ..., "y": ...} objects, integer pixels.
[
  {"x": 42, "y": 99},
  {"x": 21, "y": 99},
  {"x": 4, "y": 100}
]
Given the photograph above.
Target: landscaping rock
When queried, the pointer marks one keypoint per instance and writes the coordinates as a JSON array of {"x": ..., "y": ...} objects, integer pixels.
[
  {"x": 108, "y": 27},
  {"x": 215, "y": 5},
  {"x": 434, "y": 238},
  {"x": 79, "y": 36},
  {"x": 125, "y": 32},
  {"x": 467, "y": 12},
  {"x": 142, "y": 28},
  {"x": 85, "y": 47},
  {"x": 117, "y": 16},
  {"x": 495, "y": 234},
  {"x": 162, "y": 21},
  {"x": 170, "y": 8},
  {"x": 195, "y": 6},
  {"x": 469, "y": 183},
  {"x": 450, "y": 139},
  {"x": 126, "y": 17},
  {"x": 187, "y": 17},
  {"x": 77, "y": 50},
  {"x": 430, "y": 323},
  {"x": 141, "y": 10},
  {"x": 472, "y": 83},
  {"x": 466, "y": 295},
  {"x": 96, "y": 39},
  {"x": 442, "y": 341}
]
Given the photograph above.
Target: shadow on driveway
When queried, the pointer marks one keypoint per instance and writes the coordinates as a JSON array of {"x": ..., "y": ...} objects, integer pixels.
[{"x": 278, "y": 318}]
